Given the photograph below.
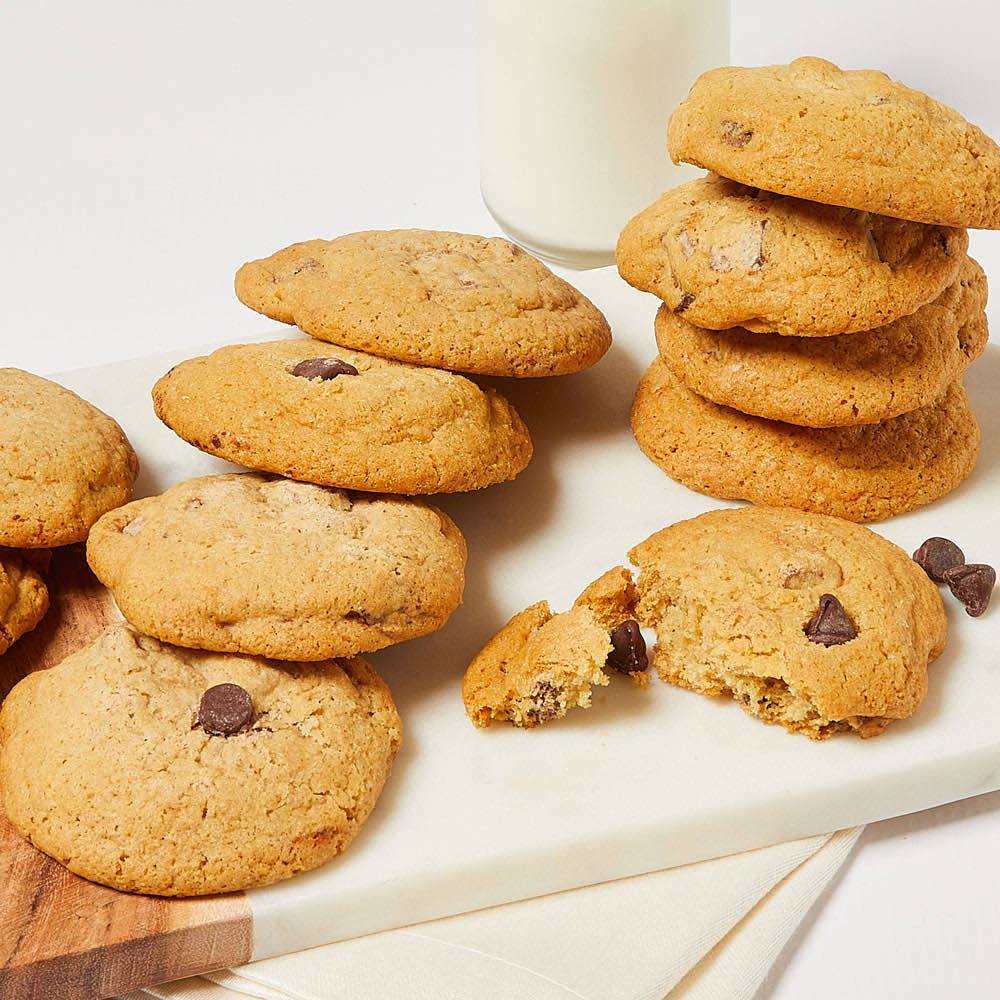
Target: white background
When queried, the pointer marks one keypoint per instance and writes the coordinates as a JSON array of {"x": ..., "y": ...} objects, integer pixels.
[{"x": 146, "y": 150}]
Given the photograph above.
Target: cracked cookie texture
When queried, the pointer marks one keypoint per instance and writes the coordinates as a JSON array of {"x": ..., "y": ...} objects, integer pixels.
[
  {"x": 63, "y": 463},
  {"x": 106, "y": 769},
  {"x": 392, "y": 427},
  {"x": 862, "y": 473},
  {"x": 857, "y": 378},
  {"x": 721, "y": 254},
  {"x": 24, "y": 598},
  {"x": 730, "y": 594},
  {"x": 449, "y": 300},
  {"x": 540, "y": 665},
  {"x": 855, "y": 138},
  {"x": 251, "y": 563}
]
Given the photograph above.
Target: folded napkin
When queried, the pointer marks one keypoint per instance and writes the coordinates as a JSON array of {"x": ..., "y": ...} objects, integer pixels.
[{"x": 698, "y": 932}]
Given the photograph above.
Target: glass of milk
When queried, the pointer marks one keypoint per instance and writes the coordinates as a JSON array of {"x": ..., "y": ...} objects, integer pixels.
[{"x": 574, "y": 97}]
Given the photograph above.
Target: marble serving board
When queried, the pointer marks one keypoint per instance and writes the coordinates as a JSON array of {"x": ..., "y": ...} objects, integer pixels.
[{"x": 646, "y": 779}]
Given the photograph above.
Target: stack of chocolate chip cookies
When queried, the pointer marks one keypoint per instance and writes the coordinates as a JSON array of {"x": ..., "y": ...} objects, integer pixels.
[{"x": 819, "y": 306}]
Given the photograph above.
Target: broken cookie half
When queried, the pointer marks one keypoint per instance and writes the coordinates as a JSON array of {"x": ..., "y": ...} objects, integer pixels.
[{"x": 539, "y": 665}]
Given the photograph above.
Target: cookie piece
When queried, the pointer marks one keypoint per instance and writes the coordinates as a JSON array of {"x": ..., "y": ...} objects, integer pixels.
[
  {"x": 108, "y": 769},
  {"x": 540, "y": 665},
  {"x": 63, "y": 463},
  {"x": 249, "y": 563},
  {"x": 723, "y": 255},
  {"x": 861, "y": 473},
  {"x": 466, "y": 303},
  {"x": 734, "y": 597},
  {"x": 24, "y": 598},
  {"x": 855, "y": 138},
  {"x": 369, "y": 424},
  {"x": 857, "y": 378}
]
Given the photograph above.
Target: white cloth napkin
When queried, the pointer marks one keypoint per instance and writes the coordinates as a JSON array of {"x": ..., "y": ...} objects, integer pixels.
[{"x": 699, "y": 932}]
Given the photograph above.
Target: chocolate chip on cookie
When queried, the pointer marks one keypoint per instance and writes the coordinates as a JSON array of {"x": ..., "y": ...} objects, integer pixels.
[
  {"x": 830, "y": 625},
  {"x": 972, "y": 584},
  {"x": 396, "y": 429},
  {"x": 938, "y": 555},
  {"x": 628, "y": 652},
  {"x": 225, "y": 709},
  {"x": 323, "y": 368}
]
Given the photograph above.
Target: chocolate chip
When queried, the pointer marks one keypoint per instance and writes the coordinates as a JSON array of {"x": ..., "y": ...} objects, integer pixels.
[
  {"x": 830, "y": 625},
  {"x": 686, "y": 299},
  {"x": 734, "y": 134},
  {"x": 225, "y": 709},
  {"x": 972, "y": 584},
  {"x": 547, "y": 706},
  {"x": 363, "y": 617},
  {"x": 324, "y": 368},
  {"x": 628, "y": 649},
  {"x": 937, "y": 555}
]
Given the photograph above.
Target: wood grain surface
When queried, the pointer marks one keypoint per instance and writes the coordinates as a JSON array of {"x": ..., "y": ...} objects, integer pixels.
[{"x": 62, "y": 937}]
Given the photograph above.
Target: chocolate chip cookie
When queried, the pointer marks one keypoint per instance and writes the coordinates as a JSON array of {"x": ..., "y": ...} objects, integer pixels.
[
  {"x": 807, "y": 621},
  {"x": 855, "y": 138},
  {"x": 466, "y": 303},
  {"x": 24, "y": 598},
  {"x": 176, "y": 772},
  {"x": 342, "y": 418},
  {"x": 857, "y": 378},
  {"x": 250, "y": 563},
  {"x": 722, "y": 255},
  {"x": 540, "y": 665},
  {"x": 861, "y": 473},
  {"x": 63, "y": 463}
]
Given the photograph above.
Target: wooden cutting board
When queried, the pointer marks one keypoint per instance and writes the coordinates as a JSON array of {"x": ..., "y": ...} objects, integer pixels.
[{"x": 62, "y": 937}]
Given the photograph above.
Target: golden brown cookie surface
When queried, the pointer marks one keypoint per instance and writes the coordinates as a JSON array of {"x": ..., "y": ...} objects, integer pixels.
[
  {"x": 740, "y": 600},
  {"x": 113, "y": 766},
  {"x": 255, "y": 564},
  {"x": 855, "y": 138},
  {"x": 861, "y": 473},
  {"x": 450, "y": 300},
  {"x": 24, "y": 598},
  {"x": 369, "y": 424},
  {"x": 720, "y": 255},
  {"x": 63, "y": 463},
  {"x": 856, "y": 378}
]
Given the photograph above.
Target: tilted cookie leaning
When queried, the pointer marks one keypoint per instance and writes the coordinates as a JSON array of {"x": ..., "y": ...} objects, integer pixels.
[
  {"x": 255, "y": 564},
  {"x": 721, "y": 255},
  {"x": 808, "y": 621},
  {"x": 450, "y": 300},
  {"x": 338, "y": 417},
  {"x": 63, "y": 463},
  {"x": 177, "y": 772},
  {"x": 855, "y": 138},
  {"x": 856, "y": 378}
]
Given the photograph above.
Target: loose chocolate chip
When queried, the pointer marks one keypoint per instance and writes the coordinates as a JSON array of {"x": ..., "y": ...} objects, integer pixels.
[
  {"x": 628, "y": 649},
  {"x": 324, "y": 368},
  {"x": 972, "y": 584},
  {"x": 225, "y": 709},
  {"x": 937, "y": 555},
  {"x": 686, "y": 299},
  {"x": 830, "y": 625},
  {"x": 733, "y": 134}
]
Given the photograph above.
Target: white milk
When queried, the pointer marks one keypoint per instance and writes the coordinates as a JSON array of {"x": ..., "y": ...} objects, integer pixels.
[{"x": 574, "y": 97}]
